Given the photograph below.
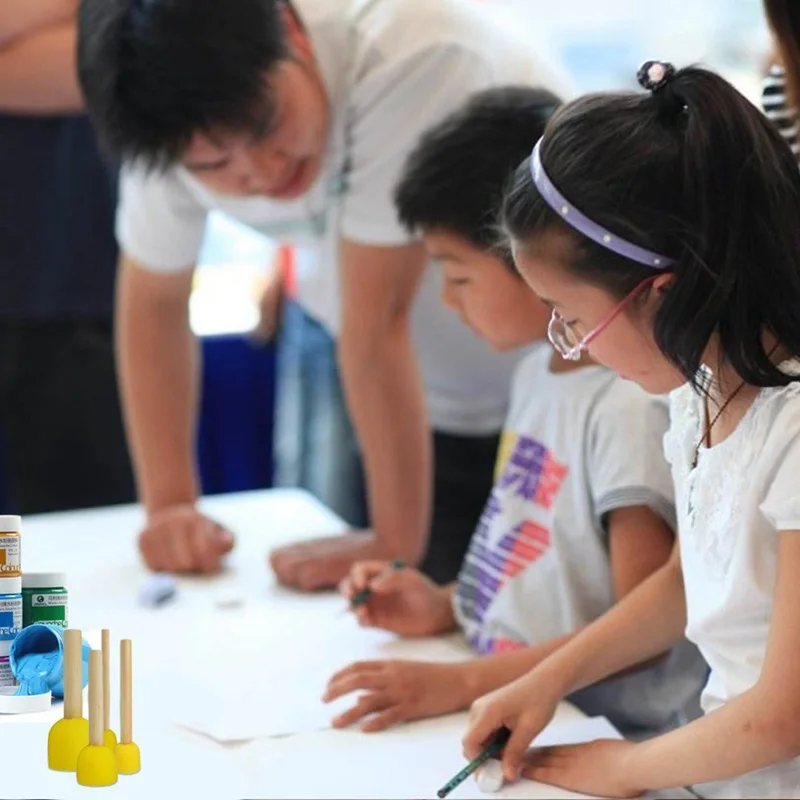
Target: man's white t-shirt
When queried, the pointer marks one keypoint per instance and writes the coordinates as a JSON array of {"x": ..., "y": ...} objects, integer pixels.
[
  {"x": 576, "y": 446},
  {"x": 731, "y": 509},
  {"x": 392, "y": 68}
]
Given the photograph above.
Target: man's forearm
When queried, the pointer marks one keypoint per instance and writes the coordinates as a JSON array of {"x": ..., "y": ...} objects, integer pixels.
[
  {"x": 159, "y": 367},
  {"x": 38, "y": 73},
  {"x": 387, "y": 403}
]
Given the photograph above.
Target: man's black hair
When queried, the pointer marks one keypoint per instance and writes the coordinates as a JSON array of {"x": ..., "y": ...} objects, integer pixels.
[{"x": 155, "y": 72}]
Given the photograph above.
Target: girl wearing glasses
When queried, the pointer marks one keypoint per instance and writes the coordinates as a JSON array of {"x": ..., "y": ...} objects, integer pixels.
[{"x": 661, "y": 227}]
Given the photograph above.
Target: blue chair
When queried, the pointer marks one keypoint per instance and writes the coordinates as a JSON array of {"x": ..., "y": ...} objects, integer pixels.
[{"x": 237, "y": 414}]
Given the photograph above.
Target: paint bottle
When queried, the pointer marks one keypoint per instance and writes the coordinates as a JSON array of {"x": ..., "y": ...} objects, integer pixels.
[
  {"x": 45, "y": 599},
  {"x": 10, "y": 552},
  {"x": 10, "y": 609},
  {"x": 10, "y": 593},
  {"x": 7, "y": 679}
]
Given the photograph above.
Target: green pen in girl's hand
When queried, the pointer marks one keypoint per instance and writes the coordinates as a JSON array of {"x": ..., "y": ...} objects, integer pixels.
[{"x": 492, "y": 750}]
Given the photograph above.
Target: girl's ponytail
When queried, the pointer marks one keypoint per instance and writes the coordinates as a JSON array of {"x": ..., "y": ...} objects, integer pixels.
[{"x": 740, "y": 257}]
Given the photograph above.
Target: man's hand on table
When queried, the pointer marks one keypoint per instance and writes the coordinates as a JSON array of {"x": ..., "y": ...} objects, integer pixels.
[
  {"x": 321, "y": 563},
  {"x": 180, "y": 539}
]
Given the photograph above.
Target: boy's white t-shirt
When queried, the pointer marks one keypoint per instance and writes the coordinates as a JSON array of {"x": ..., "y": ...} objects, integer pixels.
[
  {"x": 731, "y": 509},
  {"x": 576, "y": 446},
  {"x": 392, "y": 68}
]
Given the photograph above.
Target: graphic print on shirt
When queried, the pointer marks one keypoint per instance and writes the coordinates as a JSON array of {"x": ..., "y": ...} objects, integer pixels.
[{"x": 513, "y": 532}]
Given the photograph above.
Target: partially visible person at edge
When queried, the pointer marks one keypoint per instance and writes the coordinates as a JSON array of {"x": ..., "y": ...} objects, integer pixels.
[
  {"x": 661, "y": 227},
  {"x": 295, "y": 118},
  {"x": 63, "y": 443},
  {"x": 781, "y": 90}
]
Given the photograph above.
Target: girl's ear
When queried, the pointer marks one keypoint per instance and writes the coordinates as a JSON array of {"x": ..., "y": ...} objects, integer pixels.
[{"x": 663, "y": 282}]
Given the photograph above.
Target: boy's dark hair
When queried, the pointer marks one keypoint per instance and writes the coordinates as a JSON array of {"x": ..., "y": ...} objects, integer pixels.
[
  {"x": 696, "y": 172},
  {"x": 454, "y": 178},
  {"x": 154, "y": 72}
]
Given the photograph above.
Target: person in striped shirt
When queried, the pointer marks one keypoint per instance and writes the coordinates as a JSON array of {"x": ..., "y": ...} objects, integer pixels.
[
  {"x": 779, "y": 109},
  {"x": 780, "y": 97}
]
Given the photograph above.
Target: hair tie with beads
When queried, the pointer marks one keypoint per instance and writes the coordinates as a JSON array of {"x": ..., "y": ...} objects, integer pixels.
[{"x": 655, "y": 75}]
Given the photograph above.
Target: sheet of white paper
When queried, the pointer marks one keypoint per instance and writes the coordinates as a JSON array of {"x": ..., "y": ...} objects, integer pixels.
[
  {"x": 174, "y": 765},
  {"x": 269, "y": 680},
  {"x": 257, "y": 671},
  {"x": 409, "y": 762}
]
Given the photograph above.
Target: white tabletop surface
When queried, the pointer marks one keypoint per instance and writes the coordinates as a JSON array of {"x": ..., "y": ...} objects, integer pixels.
[{"x": 250, "y": 664}]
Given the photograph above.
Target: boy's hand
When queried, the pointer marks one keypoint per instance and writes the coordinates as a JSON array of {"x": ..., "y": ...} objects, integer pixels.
[
  {"x": 402, "y": 601},
  {"x": 397, "y": 691}
]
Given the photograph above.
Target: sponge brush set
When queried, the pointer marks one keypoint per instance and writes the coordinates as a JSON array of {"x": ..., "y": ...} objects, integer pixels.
[{"x": 89, "y": 747}]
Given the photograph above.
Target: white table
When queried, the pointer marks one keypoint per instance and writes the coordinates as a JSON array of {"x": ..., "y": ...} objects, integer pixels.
[{"x": 97, "y": 549}]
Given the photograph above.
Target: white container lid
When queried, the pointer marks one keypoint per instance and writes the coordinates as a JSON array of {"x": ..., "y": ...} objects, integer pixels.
[
  {"x": 10, "y": 585},
  {"x": 10, "y": 523},
  {"x": 5, "y": 647},
  {"x": 43, "y": 580},
  {"x": 25, "y": 704}
]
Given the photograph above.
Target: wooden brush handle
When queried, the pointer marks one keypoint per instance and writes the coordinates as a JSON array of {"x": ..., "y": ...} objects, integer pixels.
[
  {"x": 96, "y": 698},
  {"x": 126, "y": 692},
  {"x": 106, "y": 648},
  {"x": 73, "y": 674}
]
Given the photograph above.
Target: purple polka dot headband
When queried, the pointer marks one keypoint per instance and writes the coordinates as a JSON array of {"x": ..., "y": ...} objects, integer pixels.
[{"x": 652, "y": 75}]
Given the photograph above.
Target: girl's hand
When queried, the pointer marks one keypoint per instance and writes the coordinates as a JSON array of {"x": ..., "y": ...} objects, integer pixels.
[
  {"x": 402, "y": 601},
  {"x": 598, "y": 768},
  {"x": 525, "y": 706},
  {"x": 397, "y": 691}
]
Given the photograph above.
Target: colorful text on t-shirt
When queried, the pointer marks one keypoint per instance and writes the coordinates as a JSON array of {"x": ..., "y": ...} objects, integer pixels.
[{"x": 527, "y": 483}]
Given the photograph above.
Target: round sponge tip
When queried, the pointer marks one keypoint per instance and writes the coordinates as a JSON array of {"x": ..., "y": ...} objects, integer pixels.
[
  {"x": 65, "y": 741},
  {"x": 129, "y": 760},
  {"x": 97, "y": 766}
]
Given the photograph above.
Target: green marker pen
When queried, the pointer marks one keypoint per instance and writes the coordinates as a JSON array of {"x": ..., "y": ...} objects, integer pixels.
[
  {"x": 493, "y": 750},
  {"x": 359, "y": 598}
]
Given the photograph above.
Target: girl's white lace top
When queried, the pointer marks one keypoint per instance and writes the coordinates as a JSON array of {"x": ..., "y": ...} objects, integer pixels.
[{"x": 731, "y": 509}]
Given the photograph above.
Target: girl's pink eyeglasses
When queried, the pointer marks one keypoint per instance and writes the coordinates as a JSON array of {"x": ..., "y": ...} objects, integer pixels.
[{"x": 567, "y": 342}]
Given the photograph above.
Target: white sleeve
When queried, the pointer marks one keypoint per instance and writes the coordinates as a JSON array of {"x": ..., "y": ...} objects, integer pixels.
[
  {"x": 626, "y": 461},
  {"x": 159, "y": 223},
  {"x": 391, "y": 109},
  {"x": 781, "y": 506}
]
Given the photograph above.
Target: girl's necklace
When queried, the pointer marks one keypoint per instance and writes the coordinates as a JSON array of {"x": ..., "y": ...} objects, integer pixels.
[{"x": 706, "y": 437}]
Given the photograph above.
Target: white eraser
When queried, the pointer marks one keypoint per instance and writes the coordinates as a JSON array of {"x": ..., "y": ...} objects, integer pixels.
[
  {"x": 489, "y": 777},
  {"x": 228, "y": 599}
]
